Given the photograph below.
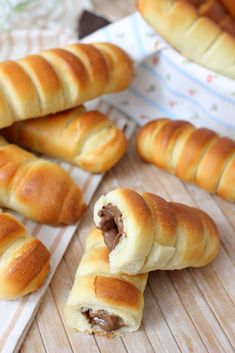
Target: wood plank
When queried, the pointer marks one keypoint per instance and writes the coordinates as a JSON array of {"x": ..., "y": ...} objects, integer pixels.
[
  {"x": 51, "y": 326},
  {"x": 34, "y": 340},
  {"x": 228, "y": 208},
  {"x": 200, "y": 313},
  {"x": 175, "y": 313},
  {"x": 156, "y": 327},
  {"x": 217, "y": 299},
  {"x": 138, "y": 339}
]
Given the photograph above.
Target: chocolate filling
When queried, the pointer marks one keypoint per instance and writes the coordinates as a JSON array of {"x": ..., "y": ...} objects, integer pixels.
[
  {"x": 107, "y": 322},
  {"x": 111, "y": 225}
]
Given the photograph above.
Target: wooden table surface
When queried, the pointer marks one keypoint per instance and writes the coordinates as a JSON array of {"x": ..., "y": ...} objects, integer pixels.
[{"x": 190, "y": 310}]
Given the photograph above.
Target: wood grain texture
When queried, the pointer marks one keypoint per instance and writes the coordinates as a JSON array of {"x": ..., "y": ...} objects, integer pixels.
[{"x": 190, "y": 310}]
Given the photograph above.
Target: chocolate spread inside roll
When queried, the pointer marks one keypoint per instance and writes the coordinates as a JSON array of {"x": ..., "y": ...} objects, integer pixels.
[
  {"x": 107, "y": 322},
  {"x": 111, "y": 225}
]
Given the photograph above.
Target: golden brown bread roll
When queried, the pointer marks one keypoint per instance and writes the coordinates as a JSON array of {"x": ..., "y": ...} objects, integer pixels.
[
  {"x": 36, "y": 188},
  {"x": 24, "y": 260},
  {"x": 230, "y": 6},
  {"x": 59, "y": 79},
  {"x": 143, "y": 232},
  {"x": 197, "y": 156},
  {"x": 102, "y": 303},
  {"x": 87, "y": 139},
  {"x": 203, "y": 31}
]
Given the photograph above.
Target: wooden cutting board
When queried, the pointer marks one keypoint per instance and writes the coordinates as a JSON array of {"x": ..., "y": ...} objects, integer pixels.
[{"x": 190, "y": 310}]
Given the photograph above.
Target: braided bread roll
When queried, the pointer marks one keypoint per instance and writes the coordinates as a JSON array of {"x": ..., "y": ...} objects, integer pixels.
[
  {"x": 143, "y": 232},
  {"x": 36, "y": 188},
  {"x": 87, "y": 139},
  {"x": 203, "y": 31},
  {"x": 24, "y": 260},
  {"x": 102, "y": 303},
  {"x": 194, "y": 155},
  {"x": 59, "y": 79}
]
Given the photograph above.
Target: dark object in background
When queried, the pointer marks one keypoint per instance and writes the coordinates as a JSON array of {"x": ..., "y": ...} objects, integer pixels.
[{"x": 89, "y": 23}]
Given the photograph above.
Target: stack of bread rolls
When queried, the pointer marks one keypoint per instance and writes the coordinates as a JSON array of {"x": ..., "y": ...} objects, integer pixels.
[
  {"x": 40, "y": 110},
  {"x": 49, "y": 88},
  {"x": 100, "y": 302}
]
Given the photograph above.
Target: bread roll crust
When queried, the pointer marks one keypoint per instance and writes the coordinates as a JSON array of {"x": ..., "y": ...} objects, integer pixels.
[
  {"x": 197, "y": 37},
  {"x": 163, "y": 217},
  {"x": 18, "y": 89},
  {"x": 195, "y": 147},
  {"x": 24, "y": 259},
  {"x": 226, "y": 185},
  {"x": 44, "y": 77},
  {"x": 215, "y": 160}
]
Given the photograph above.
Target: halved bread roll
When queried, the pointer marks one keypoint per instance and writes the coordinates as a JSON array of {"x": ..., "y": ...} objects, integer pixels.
[
  {"x": 143, "y": 232},
  {"x": 102, "y": 303}
]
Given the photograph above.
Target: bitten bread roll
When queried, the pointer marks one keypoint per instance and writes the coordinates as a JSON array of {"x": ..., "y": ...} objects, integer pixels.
[
  {"x": 87, "y": 139},
  {"x": 194, "y": 155},
  {"x": 143, "y": 232},
  {"x": 60, "y": 79},
  {"x": 36, "y": 188},
  {"x": 24, "y": 260},
  {"x": 203, "y": 31},
  {"x": 102, "y": 303}
]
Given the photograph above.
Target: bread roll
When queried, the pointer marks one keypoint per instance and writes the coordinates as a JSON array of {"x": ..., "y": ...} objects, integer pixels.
[
  {"x": 194, "y": 155},
  {"x": 24, "y": 260},
  {"x": 143, "y": 232},
  {"x": 36, "y": 188},
  {"x": 59, "y": 79},
  {"x": 102, "y": 303},
  {"x": 230, "y": 6},
  {"x": 87, "y": 139},
  {"x": 203, "y": 31}
]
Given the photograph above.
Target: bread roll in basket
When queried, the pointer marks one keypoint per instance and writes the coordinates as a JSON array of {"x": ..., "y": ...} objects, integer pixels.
[{"x": 202, "y": 30}]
